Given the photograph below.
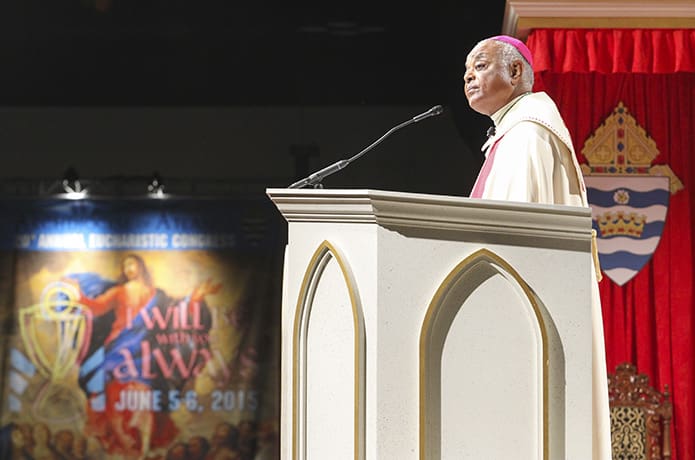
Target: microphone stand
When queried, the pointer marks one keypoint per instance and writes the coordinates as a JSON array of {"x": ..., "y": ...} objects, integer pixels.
[{"x": 316, "y": 178}]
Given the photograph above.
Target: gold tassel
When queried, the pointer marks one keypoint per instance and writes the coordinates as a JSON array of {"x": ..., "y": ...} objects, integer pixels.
[{"x": 594, "y": 254}]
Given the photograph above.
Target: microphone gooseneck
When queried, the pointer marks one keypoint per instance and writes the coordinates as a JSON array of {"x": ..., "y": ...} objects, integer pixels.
[{"x": 317, "y": 177}]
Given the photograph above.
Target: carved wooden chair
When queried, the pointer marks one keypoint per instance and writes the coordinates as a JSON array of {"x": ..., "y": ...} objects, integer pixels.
[{"x": 640, "y": 416}]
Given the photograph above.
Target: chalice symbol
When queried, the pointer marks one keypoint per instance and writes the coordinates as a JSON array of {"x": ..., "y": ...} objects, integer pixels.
[{"x": 56, "y": 333}]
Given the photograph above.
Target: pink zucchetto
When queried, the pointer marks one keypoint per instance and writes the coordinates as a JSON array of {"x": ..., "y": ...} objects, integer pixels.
[{"x": 516, "y": 43}]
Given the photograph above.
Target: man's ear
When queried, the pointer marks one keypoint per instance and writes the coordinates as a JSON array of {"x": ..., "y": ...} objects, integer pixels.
[{"x": 516, "y": 70}]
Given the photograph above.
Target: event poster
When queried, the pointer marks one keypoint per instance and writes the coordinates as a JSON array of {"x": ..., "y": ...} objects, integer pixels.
[{"x": 140, "y": 330}]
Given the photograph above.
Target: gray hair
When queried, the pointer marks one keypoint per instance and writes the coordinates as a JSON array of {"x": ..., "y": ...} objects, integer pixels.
[{"x": 510, "y": 54}]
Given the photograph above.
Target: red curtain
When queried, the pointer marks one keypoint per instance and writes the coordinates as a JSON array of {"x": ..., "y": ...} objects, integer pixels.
[{"x": 650, "y": 320}]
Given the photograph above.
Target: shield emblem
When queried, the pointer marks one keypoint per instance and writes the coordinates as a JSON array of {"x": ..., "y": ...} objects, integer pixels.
[{"x": 628, "y": 213}]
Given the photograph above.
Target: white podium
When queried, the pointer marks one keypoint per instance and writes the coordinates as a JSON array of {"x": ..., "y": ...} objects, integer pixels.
[{"x": 434, "y": 327}]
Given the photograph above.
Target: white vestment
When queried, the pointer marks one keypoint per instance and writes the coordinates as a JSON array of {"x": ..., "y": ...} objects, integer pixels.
[{"x": 534, "y": 162}]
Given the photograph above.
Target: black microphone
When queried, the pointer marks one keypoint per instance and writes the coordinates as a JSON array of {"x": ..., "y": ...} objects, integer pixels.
[
  {"x": 315, "y": 178},
  {"x": 436, "y": 110}
]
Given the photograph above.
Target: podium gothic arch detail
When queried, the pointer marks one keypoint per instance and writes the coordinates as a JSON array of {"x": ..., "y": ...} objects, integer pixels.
[
  {"x": 449, "y": 299},
  {"x": 322, "y": 258}
]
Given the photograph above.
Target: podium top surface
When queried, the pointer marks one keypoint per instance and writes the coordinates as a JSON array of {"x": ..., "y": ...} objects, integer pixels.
[{"x": 403, "y": 209}]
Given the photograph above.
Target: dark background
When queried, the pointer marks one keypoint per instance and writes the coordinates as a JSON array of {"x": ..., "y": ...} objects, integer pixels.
[{"x": 234, "y": 56}]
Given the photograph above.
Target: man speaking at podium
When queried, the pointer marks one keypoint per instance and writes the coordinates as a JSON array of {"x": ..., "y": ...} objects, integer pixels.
[{"x": 529, "y": 157}]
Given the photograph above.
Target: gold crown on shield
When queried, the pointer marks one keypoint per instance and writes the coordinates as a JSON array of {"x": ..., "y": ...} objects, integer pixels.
[{"x": 621, "y": 223}]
